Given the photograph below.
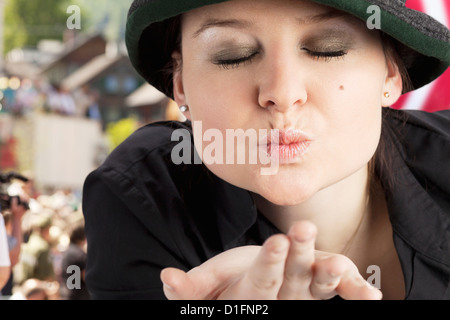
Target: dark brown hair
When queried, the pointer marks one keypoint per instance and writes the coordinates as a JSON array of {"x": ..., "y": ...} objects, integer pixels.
[
  {"x": 381, "y": 163},
  {"x": 172, "y": 44}
]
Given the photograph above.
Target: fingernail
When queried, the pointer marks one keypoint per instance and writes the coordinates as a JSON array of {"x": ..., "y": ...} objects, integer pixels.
[
  {"x": 166, "y": 286},
  {"x": 303, "y": 238},
  {"x": 370, "y": 286},
  {"x": 303, "y": 234},
  {"x": 280, "y": 248},
  {"x": 334, "y": 274}
]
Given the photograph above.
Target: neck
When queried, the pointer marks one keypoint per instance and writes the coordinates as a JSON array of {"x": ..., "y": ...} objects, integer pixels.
[{"x": 337, "y": 211}]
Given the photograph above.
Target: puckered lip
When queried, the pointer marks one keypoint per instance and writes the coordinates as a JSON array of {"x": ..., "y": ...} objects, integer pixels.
[
  {"x": 285, "y": 137},
  {"x": 285, "y": 146}
]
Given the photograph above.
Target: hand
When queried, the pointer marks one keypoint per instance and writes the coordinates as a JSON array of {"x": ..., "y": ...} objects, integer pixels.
[
  {"x": 17, "y": 209},
  {"x": 18, "y": 212},
  {"x": 286, "y": 267}
]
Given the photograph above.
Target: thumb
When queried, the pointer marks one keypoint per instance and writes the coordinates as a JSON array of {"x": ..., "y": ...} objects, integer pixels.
[
  {"x": 179, "y": 285},
  {"x": 176, "y": 284},
  {"x": 208, "y": 280}
]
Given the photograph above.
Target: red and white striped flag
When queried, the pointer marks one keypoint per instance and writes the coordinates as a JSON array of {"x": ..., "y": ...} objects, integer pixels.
[{"x": 436, "y": 95}]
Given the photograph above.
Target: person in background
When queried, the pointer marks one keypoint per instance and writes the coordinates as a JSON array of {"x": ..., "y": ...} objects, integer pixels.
[
  {"x": 5, "y": 262},
  {"x": 35, "y": 289},
  {"x": 35, "y": 260},
  {"x": 75, "y": 255},
  {"x": 13, "y": 224}
]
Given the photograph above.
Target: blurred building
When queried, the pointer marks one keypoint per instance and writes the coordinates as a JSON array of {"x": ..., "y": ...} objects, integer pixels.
[
  {"x": 61, "y": 145},
  {"x": 112, "y": 77},
  {"x": 149, "y": 103},
  {"x": 75, "y": 54}
]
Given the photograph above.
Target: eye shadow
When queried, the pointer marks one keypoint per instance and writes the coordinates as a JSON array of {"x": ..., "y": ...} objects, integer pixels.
[{"x": 335, "y": 39}]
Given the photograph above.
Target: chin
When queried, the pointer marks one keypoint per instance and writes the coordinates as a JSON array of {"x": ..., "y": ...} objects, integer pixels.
[
  {"x": 287, "y": 195},
  {"x": 286, "y": 200}
]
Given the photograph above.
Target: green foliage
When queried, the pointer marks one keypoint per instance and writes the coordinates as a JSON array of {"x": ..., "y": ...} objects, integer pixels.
[
  {"x": 106, "y": 16},
  {"x": 28, "y": 21},
  {"x": 118, "y": 131}
]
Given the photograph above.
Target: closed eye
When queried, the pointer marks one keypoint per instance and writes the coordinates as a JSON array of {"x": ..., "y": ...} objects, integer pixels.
[
  {"x": 233, "y": 63},
  {"x": 326, "y": 55}
]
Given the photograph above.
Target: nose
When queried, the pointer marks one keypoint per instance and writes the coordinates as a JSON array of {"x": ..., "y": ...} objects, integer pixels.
[{"x": 281, "y": 84}]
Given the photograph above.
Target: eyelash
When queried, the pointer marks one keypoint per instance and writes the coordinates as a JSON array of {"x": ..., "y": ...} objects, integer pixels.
[
  {"x": 235, "y": 63},
  {"x": 327, "y": 55},
  {"x": 316, "y": 55}
]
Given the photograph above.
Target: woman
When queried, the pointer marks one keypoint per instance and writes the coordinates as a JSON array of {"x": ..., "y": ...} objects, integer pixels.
[{"x": 358, "y": 191}]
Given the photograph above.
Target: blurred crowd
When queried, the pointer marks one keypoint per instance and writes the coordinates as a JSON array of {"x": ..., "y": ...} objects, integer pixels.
[
  {"x": 42, "y": 96},
  {"x": 46, "y": 243}
]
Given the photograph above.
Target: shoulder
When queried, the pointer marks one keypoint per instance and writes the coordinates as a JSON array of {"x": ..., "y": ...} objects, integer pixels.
[
  {"x": 418, "y": 121},
  {"x": 423, "y": 138},
  {"x": 145, "y": 160},
  {"x": 420, "y": 199},
  {"x": 153, "y": 140},
  {"x": 141, "y": 167}
]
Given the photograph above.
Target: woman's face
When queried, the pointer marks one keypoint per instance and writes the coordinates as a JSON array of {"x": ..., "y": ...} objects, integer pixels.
[{"x": 315, "y": 74}]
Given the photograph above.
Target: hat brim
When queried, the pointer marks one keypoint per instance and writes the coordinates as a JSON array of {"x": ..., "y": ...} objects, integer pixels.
[
  {"x": 418, "y": 31},
  {"x": 414, "y": 29}
]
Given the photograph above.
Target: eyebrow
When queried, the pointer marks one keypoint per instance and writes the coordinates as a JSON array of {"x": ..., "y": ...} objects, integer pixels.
[
  {"x": 242, "y": 24},
  {"x": 328, "y": 15},
  {"x": 231, "y": 23}
]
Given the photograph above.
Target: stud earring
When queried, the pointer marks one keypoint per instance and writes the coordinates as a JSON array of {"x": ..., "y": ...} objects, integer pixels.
[
  {"x": 184, "y": 108},
  {"x": 387, "y": 95}
]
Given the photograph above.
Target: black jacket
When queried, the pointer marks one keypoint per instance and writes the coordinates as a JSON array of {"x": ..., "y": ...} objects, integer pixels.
[{"x": 143, "y": 213}]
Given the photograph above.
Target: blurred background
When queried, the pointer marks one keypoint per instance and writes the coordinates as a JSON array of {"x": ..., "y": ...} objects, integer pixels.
[{"x": 68, "y": 97}]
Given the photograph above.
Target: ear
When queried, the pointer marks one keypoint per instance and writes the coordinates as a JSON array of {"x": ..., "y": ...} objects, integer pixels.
[
  {"x": 393, "y": 84},
  {"x": 178, "y": 88}
]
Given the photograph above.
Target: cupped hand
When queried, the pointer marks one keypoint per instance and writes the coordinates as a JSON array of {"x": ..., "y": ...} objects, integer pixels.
[
  {"x": 18, "y": 210},
  {"x": 286, "y": 267}
]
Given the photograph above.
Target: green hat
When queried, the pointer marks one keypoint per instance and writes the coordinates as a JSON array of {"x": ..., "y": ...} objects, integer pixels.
[{"x": 149, "y": 46}]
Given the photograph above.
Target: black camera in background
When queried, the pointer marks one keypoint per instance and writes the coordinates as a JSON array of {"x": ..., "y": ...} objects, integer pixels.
[{"x": 5, "y": 199}]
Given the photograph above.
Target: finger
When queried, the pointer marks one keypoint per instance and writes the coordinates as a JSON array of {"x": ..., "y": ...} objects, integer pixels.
[
  {"x": 298, "y": 270},
  {"x": 14, "y": 203},
  {"x": 358, "y": 289},
  {"x": 213, "y": 277},
  {"x": 264, "y": 279},
  {"x": 354, "y": 287},
  {"x": 16, "y": 208},
  {"x": 177, "y": 285},
  {"x": 327, "y": 276}
]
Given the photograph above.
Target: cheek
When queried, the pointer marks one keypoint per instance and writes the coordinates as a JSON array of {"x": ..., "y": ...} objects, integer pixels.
[
  {"x": 353, "y": 114},
  {"x": 208, "y": 96},
  {"x": 219, "y": 102}
]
